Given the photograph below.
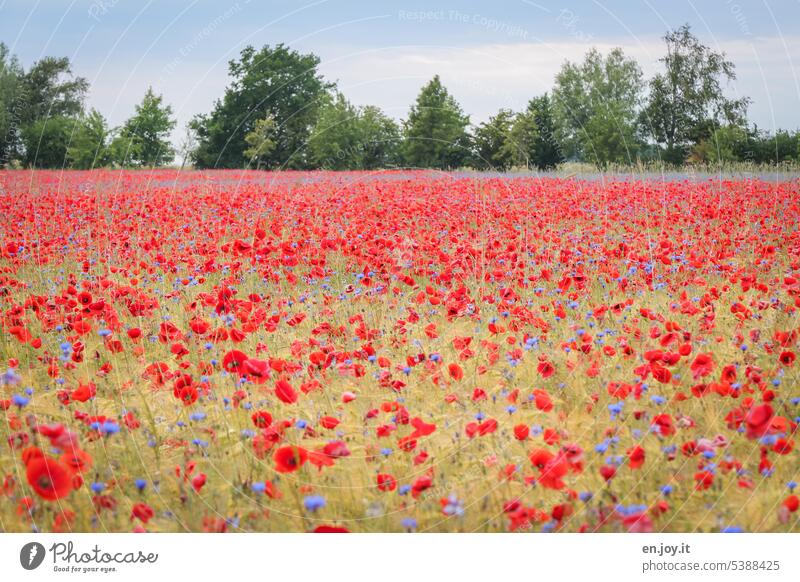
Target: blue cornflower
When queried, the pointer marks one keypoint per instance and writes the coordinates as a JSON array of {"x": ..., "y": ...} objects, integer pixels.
[
  {"x": 19, "y": 400},
  {"x": 314, "y": 502}
]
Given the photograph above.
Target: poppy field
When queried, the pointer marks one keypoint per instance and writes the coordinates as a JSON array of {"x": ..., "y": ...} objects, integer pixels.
[{"x": 234, "y": 351}]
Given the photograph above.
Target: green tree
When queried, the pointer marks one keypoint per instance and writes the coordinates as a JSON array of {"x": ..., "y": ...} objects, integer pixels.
[
  {"x": 50, "y": 89},
  {"x": 686, "y": 102},
  {"x": 595, "y": 106},
  {"x": 276, "y": 81},
  {"x": 46, "y": 141},
  {"x": 435, "y": 133},
  {"x": 47, "y": 89},
  {"x": 334, "y": 141},
  {"x": 491, "y": 142},
  {"x": 347, "y": 137},
  {"x": 260, "y": 140},
  {"x": 123, "y": 150},
  {"x": 783, "y": 147},
  {"x": 380, "y": 139},
  {"x": 144, "y": 138},
  {"x": 724, "y": 145},
  {"x": 533, "y": 140},
  {"x": 10, "y": 86},
  {"x": 89, "y": 147}
]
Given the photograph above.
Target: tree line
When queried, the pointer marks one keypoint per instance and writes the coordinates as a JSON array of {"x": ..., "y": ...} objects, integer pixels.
[{"x": 278, "y": 112}]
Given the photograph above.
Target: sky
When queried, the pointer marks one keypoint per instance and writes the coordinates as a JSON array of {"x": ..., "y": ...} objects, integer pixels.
[{"x": 489, "y": 54}]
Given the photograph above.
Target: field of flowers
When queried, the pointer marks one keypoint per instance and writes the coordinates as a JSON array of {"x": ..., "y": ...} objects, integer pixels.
[{"x": 401, "y": 351}]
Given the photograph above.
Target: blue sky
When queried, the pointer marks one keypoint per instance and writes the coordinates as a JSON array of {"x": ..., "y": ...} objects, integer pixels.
[{"x": 489, "y": 54}]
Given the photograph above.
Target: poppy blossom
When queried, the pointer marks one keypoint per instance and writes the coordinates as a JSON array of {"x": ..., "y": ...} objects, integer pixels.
[
  {"x": 142, "y": 512},
  {"x": 386, "y": 482},
  {"x": 84, "y": 392},
  {"x": 757, "y": 420},
  {"x": 456, "y": 373},
  {"x": 545, "y": 369},
  {"x": 289, "y": 458},
  {"x": 285, "y": 392},
  {"x": 330, "y": 529},
  {"x": 49, "y": 478},
  {"x": 636, "y": 457},
  {"x": 233, "y": 361},
  {"x": 329, "y": 422},
  {"x": 521, "y": 432},
  {"x": 702, "y": 365}
]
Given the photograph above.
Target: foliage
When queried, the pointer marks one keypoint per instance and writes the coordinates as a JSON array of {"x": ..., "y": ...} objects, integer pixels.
[
  {"x": 48, "y": 90},
  {"x": 595, "y": 105},
  {"x": 51, "y": 90},
  {"x": 90, "y": 143},
  {"x": 435, "y": 133},
  {"x": 686, "y": 102},
  {"x": 739, "y": 144},
  {"x": 491, "y": 141},
  {"x": 349, "y": 137},
  {"x": 10, "y": 87},
  {"x": 144, "y": 138},
  {"x": 47, "y": 140},
  {"x": 260, "y": 140},
  {"x": 275, "y": 81},
  {"x": 534, "y": 136}
]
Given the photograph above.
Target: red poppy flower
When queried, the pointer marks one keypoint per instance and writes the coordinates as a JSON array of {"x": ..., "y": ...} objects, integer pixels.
[
  {"x": 142, "y": 512},
  {"x": 330, "y": 529},
  {"x": 662, "y": 424},
  {"x": 703, "y": 480},
  {"x": 757, "y": 421},
  {"x": 84, "y": 392},
  {"x": 386, "y": 482},
  {"x": 421, "y": 428},
  {"x": 550, "y": 475},
  {"x": 188, "y": 395},
  {"x": 199, "y": 481},
  {"x": 285, "y": 392},
  {"x": 261, "y": 418},
  {"x": 77, "y": 460},
  {"x": 702, "y": 365},
  {"x": 542, "y": 400},
  {"x": 233, "y": 361},
  {"x": 456, "y": 373},
  {"x": 289, "y": 458},
  {"x": 421, "y": 484},
  {"x": 636, "y": 457},
  {"x": 329, "y": 422},
  {"x": 49, "y": 478},
  {"x": 336, "y": 449},
  {"x": 521, "y": 432},
  {"x": 258, "y": 370},
  {"x": 545, "y": 369}
]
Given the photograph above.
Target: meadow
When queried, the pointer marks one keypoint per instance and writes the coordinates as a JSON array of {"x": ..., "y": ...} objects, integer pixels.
[{"x": 397, "y": 351}]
